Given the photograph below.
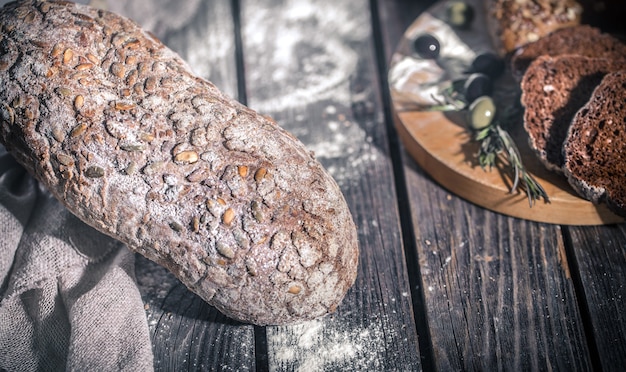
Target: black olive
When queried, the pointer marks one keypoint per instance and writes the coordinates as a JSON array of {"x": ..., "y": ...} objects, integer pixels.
[
  {"x": 489, "y": 64},
  {"x": 477, "y": 85},
  {"x": 427, "y": 46},
  {"x": 459, "y": 14}
]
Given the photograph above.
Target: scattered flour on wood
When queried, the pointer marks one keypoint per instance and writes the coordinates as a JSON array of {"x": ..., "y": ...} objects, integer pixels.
[
  {"x": 303, "y": 54},
  {"x": 154, "y": 282},
  {"x": 318, "y": 346},
  {"x": 345, "y": 149},
  {"x": 307, "y": 55}
]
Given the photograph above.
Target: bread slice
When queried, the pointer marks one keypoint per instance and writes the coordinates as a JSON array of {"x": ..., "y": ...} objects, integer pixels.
[
  {"x": 513, "y": 24},
  {"x": 553, "y": 90},
  {"x": 595, "y": 147},
  {"x": 581, "y": 40}
]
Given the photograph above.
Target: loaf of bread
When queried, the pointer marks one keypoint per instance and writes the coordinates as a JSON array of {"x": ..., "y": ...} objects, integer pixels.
[
  {"x": 514, "y": 23},
  {"x": 120, "y": 130},
  {"x": 581, "y": 40},
  {"x": 553, "y": 90},
  {"x": 595, "y": 146}
]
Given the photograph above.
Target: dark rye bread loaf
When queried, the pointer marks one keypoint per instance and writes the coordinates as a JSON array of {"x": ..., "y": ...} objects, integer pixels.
[
  {"x": 514, "y": 23},
  {"x": 595, "y": 147},
  {"x": 553, "y": 90},
  {"x": 120, "y": 130},
  {"x": 581, "y": 40}
]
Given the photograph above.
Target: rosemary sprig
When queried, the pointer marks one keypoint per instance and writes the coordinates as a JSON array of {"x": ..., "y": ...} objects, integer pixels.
[{"x": 495, "y": 141}]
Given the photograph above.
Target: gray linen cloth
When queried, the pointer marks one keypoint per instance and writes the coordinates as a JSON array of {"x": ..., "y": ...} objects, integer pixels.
[{"x": 68, "y": 295}]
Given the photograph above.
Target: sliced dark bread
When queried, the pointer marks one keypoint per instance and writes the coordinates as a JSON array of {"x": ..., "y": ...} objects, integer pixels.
[
  {"x": 553, "y": 90},
  {"x": 595, "y": 147},
  {"x": 581, "y": 40}
]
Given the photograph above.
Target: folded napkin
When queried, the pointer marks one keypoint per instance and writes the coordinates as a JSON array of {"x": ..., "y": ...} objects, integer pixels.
[{"x": 68, "y": 295}]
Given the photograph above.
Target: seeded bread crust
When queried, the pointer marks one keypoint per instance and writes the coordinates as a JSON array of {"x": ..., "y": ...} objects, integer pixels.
[
  {"x": 581, "y": 40},
  {"x": 553, "y": 90},
  {"x": 120, "y": 130},
  {"x": 595, "y": 147},
  {"x": 514, "y": 23}
]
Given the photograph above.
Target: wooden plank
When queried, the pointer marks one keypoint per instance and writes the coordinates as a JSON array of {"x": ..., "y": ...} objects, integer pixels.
[
  {"x": 310, "y": 64},
  {"x": 188, "y": 334},
  {"x": 496, "y": 289},
  {"x": 600, "y": 256}
]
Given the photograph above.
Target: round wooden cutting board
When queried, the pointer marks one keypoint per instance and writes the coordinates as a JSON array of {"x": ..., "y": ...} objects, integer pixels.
[{"x": 442, "y": 146}]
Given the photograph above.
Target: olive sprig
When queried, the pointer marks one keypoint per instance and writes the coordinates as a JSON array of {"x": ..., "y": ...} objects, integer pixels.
[
  {"x": 495, "y": 143},
  {"x": 473, "y": 95}
]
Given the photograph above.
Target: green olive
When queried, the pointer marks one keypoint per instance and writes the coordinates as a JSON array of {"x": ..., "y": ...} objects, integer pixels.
[
  {"x": 459, "y": 14},
  {"x": 481, "y": 112}
]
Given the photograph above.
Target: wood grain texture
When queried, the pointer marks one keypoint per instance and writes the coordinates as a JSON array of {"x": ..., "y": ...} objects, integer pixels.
[
  {"x": 311, "y": 65},
  {"x": 498, "y": 291},
  {"x": 489, "y": 292},
  {"x": 600, "y": 255},
  {"x": 492, "y": 284}
]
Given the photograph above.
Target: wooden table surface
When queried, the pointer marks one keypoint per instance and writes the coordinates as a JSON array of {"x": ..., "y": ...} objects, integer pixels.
[{"x": 443, "y": 284}]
